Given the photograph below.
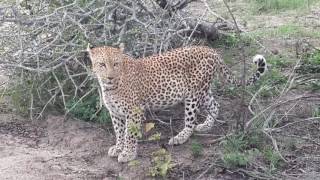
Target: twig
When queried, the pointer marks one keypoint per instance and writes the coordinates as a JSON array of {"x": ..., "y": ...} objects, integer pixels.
[
  {"x": 281, "y": 102},
  {"x": 311, "y": 119},
  {"x": 206, "y": 135},
  {"x": 254, "y": 98},
  {"x": 218, "y": 140},
  {"x": 61, "y": 89},
  {"x": 242, "y": 30},
  {"x": 243, "y": 79},
  {"x": 217, "y": 15},
  {"x": 31, "y": 101},
  {"x": 42, "y": 70},
  {"x": 171, "y": 131},
  {"x": 291, "y": 78},
  {"x": 153, "y": 116},
  {"x": 275, "y": 145},
  {"x": 80, "y": 99},
  {"x": 304, "y": 138},
  {"x": 257, "y": 175},
  {"x": 207, "y": 169}
]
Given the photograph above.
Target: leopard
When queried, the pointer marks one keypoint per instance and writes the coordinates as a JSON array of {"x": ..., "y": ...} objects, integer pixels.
[{"x": 130, "y": 86}]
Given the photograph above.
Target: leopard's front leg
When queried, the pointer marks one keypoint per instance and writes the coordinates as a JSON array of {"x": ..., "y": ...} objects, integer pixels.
[
  {"x": 119, "y": 129},
  {"x": 132, "y": 132}
]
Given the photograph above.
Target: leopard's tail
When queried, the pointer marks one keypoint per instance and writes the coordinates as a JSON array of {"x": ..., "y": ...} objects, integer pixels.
[{"x": 261, "y": 64}]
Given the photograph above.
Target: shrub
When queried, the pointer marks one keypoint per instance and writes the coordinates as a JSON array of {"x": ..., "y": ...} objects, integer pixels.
[
  {"x": 310, "y": 63},
  {"x": 45, "y": 51},
  {"x": 196, "y": 148},
  {"x": 161, "y": 163},
  {"x": 89, "y": 109},
  {"x": 272, "y": 157},
  {"x": 242, "y": 149},
  {"x": 234, "y": 151}
]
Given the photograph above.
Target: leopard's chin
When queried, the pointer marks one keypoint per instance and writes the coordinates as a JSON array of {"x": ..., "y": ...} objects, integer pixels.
[{"x": 110, "y": 87}]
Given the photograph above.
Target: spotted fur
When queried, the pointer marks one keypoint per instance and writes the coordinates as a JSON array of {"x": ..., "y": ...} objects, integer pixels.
[{"x": 130, "y": 86}]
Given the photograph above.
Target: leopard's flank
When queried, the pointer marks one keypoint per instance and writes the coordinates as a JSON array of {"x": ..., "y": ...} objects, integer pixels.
[{"x": 130, "y": 86}]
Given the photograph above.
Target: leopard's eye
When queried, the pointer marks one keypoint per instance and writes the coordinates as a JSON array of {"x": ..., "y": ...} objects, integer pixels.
[
  {"x": 115, "y": 64},
  {"x": 102, "y": 65}
]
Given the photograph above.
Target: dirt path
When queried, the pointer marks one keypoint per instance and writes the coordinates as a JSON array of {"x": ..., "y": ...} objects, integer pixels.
[
  {"x": 69, "y": 149},
  {"x": 54, "y": 149}
]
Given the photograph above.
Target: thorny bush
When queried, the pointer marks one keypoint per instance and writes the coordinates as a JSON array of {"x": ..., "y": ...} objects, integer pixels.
[{"x": 43, "y": 44}]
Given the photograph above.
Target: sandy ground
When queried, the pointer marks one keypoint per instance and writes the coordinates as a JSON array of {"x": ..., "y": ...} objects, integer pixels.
[
  {"x": 62, "y": 149},
  {"x": 54, "y": 149},
  {"x": 70, "y": 149}
]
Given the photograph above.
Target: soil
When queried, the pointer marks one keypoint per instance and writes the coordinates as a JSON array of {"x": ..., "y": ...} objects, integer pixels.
[
  {"x": 52, "y": 149},
  {"x": 57, "y": 148}
]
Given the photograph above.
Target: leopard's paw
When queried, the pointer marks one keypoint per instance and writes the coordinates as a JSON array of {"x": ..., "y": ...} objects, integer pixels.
[
  {"x": 114, "y": 151},
  {"x": 178, "y": 140},
  {"x": 127, "y": 156},
  {"x": 202, "y": 128}
]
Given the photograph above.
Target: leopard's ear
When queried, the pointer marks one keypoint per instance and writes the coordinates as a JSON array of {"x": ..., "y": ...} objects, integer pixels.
[
  {"x": 89, "y": 51},
  {"x": 89, "y": 47},
  {"x": 122, "y": 47}
]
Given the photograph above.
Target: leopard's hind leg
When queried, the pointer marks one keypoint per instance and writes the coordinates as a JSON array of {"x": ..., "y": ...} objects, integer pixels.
[
  {"x": 191, "y": 110},
  {"x": 210, "y": 108}
]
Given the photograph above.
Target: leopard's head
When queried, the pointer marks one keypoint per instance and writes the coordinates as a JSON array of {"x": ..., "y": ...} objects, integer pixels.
[{"x": 106, "y": 65}]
